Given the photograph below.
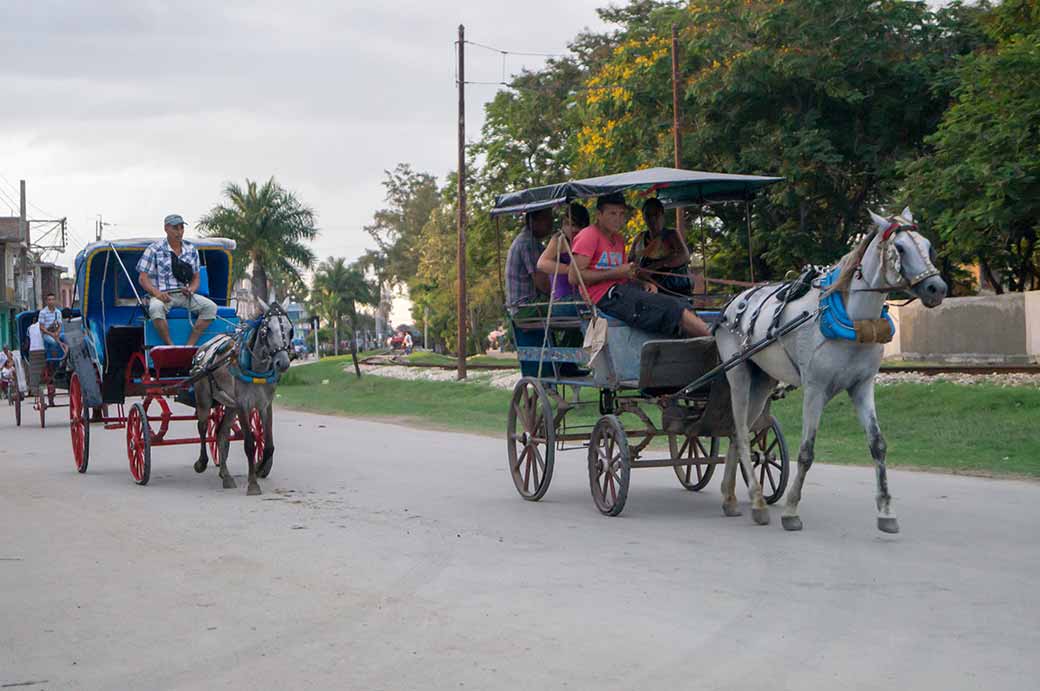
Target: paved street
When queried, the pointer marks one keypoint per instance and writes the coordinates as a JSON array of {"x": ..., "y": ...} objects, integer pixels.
[{"x": 383, "y": 557}]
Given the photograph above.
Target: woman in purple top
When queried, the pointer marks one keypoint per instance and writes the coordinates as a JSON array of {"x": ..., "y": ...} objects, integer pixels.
[{"x": 576, "y": 218}]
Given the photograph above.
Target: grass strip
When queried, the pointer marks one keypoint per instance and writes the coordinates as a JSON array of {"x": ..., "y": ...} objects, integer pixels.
[{"x": 979, "y": 428}]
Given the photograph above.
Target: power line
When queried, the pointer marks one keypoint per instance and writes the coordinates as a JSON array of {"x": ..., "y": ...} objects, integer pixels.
[{"x": 529, "y": 54}]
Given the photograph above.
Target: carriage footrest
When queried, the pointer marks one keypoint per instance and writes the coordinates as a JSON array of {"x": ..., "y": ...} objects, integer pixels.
[{"x": 669, "y": 365}]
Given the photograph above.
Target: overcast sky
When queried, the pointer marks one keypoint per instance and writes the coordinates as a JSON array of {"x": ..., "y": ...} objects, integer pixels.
[{"x": 138, "y": 108}]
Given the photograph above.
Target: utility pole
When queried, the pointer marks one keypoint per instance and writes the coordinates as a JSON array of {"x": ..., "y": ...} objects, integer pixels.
[
  {"x": 675, "y": 117},
  {"x": 426, "y": 328},
  {"x": 461, "y": 307}
]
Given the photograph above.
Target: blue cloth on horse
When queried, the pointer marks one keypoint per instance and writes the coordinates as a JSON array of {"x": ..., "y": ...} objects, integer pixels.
[{"x": 835, "y": 322}]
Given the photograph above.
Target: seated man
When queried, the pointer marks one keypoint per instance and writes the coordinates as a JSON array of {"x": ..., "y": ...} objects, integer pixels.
[
  {"x": 50, "y": 324},
  {"x": 169, "y": 272},
  {"x": 662, "y": 250},
  {"x": 523, "y": 279},
  {"x": 599, "y": 261}
]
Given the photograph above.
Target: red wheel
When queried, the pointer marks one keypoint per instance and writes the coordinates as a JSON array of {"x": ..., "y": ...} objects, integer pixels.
[
  {"x": 79, "y": 424},
  {"x": 216, "y": 415},
  {"x": 256, "y": 431},
  {"x": 138, "y": 444},
  {"x": 164, "y": 415}
]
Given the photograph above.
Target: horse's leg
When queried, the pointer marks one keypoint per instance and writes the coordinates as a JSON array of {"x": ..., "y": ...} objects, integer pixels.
[
  {"x": 223, "y": 445},
  {"x": 812, "y": 409},
  {"x": 268, "y": 433},
  {"x": 742, "y": 382},
  {"x": 202, "y": 410},
  {"x": 862, "y": 396},
  {"x": 253, "y": 487},
  {"x": 762, "y": 385}
]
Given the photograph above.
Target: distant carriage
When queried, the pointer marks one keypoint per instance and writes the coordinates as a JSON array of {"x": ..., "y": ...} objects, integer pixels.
[{"x": 633, "y": 375}]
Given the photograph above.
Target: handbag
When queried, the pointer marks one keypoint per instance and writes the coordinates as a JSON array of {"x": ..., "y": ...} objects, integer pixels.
[{"x": 182, "y": 270}]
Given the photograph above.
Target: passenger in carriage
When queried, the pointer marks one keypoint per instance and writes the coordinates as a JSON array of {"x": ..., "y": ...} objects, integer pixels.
[
  {"x": 576, "y": 218},
  {"x": 523, "y": 279},
  {"x": 169, "y": 272},
  {"x": 662, "y": 251},
  {"x": 599, "y": 260},
  {"x": 50, "y": 324}
]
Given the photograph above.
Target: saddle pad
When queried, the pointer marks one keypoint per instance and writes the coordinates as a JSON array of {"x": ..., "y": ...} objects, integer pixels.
[{"x": 210, "y": 351}]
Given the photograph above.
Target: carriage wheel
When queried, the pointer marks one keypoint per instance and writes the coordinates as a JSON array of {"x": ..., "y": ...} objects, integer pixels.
[
  {"x": 694, "y": 476},
  {"x": 139, "y": 444},
  {"x": 79, "y": 424},
  {"x": 769, "y": 461},
  {"x": 609, "y": 465},
  {"x": 530, "y": 439},
  {"x": 256, "y": 431}
]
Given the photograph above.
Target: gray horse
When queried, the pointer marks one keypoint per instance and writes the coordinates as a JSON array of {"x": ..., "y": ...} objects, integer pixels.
[
  {"x": 893, "y": 256},
  {"x": 244, "y": 384}
]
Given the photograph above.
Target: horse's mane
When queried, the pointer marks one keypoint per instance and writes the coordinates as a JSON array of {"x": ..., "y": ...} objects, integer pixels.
[{"x": 850, "y": 263}]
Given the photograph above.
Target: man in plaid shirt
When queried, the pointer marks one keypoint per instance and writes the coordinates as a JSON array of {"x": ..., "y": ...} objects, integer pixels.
[
  {"x": 157, "y": 278},
  {"x": 523, "y": 279}
]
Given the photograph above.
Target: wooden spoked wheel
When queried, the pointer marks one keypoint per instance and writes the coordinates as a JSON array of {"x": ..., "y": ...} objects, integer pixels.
[
  {"x": 79, "y": 424},
  {"x": 769, "y": 461},
  {"x": 694, "y": 476},
  {"x": 609, "y": 465},
  {"x": 216, "y": 416},
  {"x": 256, "y": 432},
  {"x": 530, "y": 439},
  {"x": 139, "y": 444}
]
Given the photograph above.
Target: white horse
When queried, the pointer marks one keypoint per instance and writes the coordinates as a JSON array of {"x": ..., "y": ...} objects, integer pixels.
[{"x": 893, "y": 256}]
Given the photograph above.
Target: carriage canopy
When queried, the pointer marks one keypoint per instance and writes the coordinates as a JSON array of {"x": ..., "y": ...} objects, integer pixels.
[{"x": 674, "y": 187}]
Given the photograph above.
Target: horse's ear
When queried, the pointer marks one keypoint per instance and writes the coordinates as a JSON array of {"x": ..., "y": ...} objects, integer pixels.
[
  {"x": 907, "y": 215},
  {"x": 879, "y": 221},
  {"x": 263, "y": 305}
]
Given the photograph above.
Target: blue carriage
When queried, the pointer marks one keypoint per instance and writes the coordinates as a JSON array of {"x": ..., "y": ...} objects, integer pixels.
[
  {"x": 121, "y": 374},
  {"x": 633, "y": 376}
]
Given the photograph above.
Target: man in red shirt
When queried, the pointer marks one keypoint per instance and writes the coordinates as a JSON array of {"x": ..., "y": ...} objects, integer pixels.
[{"x": 599, "y": 258}]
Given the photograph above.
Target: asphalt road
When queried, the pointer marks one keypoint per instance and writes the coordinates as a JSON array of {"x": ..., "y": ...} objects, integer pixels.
[{"x": 383, "y": 557}]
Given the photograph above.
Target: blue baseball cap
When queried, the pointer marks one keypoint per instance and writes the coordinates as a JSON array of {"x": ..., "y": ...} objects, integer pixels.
[{"x": 173, "y": 220}]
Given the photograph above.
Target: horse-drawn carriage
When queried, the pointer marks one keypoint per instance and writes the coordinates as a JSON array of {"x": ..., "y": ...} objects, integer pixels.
[
  {"x": 116, "y": 354},
  {"x": 635, "y": 375},
  {"x": 45, "y": 371}
]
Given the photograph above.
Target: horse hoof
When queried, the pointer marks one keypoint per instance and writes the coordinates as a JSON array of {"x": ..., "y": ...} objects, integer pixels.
[
  {"x": 791, "y": 522},
  {"x": 888, "y": 524},
  {"x": 229, "y": 482},
  {"x": 200, "y": 466},
  {"x": 760, "y": 516},
  {"x": 731, "y": 510},
  {"x": 254, "y": 489}
]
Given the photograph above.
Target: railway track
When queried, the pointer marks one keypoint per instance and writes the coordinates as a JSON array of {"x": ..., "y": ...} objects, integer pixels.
[{"x": 927, "y": 370}]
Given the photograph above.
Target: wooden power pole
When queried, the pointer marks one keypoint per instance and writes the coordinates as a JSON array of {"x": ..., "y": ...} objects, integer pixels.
[
  {"x": 461, "y": 307},
  {"x": 675, "y": 117}
]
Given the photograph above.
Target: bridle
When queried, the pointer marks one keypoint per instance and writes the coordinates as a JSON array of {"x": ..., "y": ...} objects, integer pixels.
[
  {"x": 262, "y": 332},
  {"x": 892, "y": 264}
]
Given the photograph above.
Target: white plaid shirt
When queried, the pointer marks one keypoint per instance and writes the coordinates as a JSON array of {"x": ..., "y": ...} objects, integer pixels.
[
  {"x": 47, "y": 317},
  {"x": 156, "y": 263}
]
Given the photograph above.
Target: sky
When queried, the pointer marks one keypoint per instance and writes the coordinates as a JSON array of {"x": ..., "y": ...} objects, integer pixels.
[{"x": 135, "y": 109}]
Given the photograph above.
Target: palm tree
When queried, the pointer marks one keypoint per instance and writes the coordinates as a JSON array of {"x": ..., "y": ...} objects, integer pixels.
[
  {"x": 271, "y": 228},
  {"x": 337, "y": 292}
]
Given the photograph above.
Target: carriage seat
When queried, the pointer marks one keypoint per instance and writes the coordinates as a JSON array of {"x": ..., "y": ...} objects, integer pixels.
[{"x": 180, "y": 326}]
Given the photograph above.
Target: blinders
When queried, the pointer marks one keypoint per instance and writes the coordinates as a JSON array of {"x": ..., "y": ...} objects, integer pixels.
[{"x": 891, "y": 259}]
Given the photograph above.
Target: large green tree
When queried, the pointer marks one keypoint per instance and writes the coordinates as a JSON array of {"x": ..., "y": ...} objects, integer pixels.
[
  {"x": 978, "y": 186},
  {"x": 272, "y": 230}
]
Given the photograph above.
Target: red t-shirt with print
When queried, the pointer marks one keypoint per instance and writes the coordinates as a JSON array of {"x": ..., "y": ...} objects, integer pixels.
[{"x": 604, "y": 252}]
